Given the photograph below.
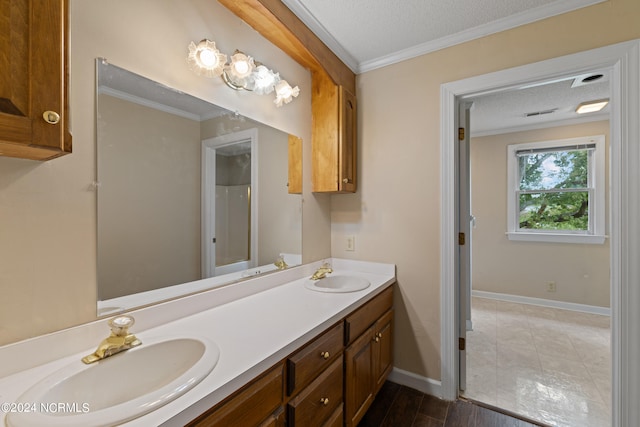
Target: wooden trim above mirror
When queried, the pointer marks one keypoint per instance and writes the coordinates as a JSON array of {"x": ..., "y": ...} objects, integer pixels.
[{"x": 278, "y": 24}]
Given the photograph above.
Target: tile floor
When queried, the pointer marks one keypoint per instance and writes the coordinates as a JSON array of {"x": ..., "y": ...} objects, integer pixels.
[{"x": 546, "y": 364}]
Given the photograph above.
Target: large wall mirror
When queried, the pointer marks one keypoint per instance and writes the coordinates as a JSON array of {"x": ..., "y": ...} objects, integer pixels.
[{"x": 189, "y": 195}]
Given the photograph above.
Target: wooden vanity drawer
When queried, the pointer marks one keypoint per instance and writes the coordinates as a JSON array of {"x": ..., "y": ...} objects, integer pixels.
[
  {"x": 249, "y": 407},
  {"x": 307, "y": 363},
  {"x": 336, "y": 418},
  {"x": 366, "y": 315},
  {"x": 317, "y": 403}
]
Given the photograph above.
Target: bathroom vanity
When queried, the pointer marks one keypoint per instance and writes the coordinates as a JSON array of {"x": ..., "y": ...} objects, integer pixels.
[{"x": 287, "y": 353}]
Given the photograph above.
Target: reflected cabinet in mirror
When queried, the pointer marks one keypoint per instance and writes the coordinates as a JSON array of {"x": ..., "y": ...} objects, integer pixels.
[{"x": 186, "y": 191}]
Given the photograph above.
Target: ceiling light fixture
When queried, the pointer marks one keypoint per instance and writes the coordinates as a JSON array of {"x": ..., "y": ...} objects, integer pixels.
[
  {"x": 592, "y": 106},
  {"x": 241, "y": 73}
]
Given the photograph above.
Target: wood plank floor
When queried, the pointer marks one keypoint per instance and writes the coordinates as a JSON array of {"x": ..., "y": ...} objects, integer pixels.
[{"x": 400, "y": 406}]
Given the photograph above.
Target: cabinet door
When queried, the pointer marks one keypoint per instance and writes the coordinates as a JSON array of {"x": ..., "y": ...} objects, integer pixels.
[
  {"x": 359, "y": 377},
  {"x": 383, "y": 349},
  {"x": 348, "y": 141},
  {"x": 295, "y": 165},
  {"x": 251, "y": 406},
  {"x": 33, "y": 98}
]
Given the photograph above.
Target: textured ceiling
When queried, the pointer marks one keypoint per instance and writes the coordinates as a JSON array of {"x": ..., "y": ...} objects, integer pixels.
[
  {"x": 507, "y": 110},
  {"x": 368, "y": 34}
]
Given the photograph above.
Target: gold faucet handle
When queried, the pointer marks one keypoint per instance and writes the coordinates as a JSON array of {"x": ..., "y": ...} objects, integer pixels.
[{"x": 120, "y": 325}]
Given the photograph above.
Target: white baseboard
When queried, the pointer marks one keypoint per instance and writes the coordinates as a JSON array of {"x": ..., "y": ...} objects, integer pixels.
[
  {"x": 417, "y": 382},
  {"x": 604, "y": 311}
]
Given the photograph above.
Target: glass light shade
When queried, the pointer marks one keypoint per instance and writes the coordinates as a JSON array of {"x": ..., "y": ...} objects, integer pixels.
[
  {"x": 205, "y": 59},
  {"x": 264, "y": 80},
  {"x": 285, "y": 93},
  {"x": 241, "y": 66}
]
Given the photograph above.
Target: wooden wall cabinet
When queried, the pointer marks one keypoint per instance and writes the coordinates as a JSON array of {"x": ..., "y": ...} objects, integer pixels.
[
  {"x": 294, "y": 182},
  {"x": 334, "y": 140},
  {"x": 33, "y": 79}
]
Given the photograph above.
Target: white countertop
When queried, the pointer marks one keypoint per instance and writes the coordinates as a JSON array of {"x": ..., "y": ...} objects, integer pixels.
[{"x": 253, "y": 332}]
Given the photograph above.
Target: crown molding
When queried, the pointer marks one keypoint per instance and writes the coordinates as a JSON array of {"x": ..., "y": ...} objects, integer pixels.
[{"x": 503, "y": 24}]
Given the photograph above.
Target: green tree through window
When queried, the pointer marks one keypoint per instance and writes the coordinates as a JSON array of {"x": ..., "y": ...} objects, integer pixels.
[{"x": 554, "y": 189}]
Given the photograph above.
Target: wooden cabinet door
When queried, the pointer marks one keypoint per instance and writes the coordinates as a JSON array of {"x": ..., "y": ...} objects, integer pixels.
[
  {"x": 33, "y": 74},
  {"x": 383, "y": 349},
  {"x": 251, "y": 406},
  {"x": 359, "y": 378},
  {"x": 347, "y": 141},
  {"x": 295, "y": 165}
]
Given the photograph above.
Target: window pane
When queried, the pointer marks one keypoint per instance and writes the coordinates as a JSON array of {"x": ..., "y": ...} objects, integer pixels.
[
  {"x": 555, "y": 211},
  {"x": 554, "y": 170}
]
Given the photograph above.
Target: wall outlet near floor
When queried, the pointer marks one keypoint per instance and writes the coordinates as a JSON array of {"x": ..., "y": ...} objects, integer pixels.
[
  {"x": 551, "y": 286},
  {"x": 350, "y": 243}
]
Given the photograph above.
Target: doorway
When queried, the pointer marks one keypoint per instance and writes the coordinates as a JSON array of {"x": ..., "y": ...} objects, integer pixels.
[
  {"x": 229, "y": 200},
  {"x": 623, "y": 61}
]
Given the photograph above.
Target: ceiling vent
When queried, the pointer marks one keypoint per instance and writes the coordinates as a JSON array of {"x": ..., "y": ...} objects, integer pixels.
[
  {"x": 586, "y": 79},
  {"x": 540, "y": 113}
]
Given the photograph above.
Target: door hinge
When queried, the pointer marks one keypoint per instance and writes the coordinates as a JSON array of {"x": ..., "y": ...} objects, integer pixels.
[
  {"x": 461, "y": 134},
  {"x": 461, "y": 344},
  {"x": 461, "y": 239}
]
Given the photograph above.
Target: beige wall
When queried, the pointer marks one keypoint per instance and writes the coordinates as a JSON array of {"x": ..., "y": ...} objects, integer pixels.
[
  {"x": 580, "y": 271},
  {"x": 148, "y": 199},
  {"x": 48, "y": 210},
  {"x": 395, "y": 215}
]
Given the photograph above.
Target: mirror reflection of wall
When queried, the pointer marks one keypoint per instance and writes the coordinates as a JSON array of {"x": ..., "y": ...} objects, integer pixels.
[{"x": 151, "y": 184}]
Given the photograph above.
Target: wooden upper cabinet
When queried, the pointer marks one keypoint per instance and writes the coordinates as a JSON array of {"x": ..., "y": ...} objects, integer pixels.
[
  {"x": 333, "y": 143},
  {"x": 333, "y": 91},
  {"x": 295, "y": 165},
  {"x": 33, "y": 79},
  {"x": 347, "y": 142}
]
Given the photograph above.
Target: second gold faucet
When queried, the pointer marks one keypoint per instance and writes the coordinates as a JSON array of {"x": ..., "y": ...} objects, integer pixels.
[{"x": 322, "y": 272}]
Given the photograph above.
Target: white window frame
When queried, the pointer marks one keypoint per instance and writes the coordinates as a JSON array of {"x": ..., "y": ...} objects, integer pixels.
[{"x": 596, "y": 232}]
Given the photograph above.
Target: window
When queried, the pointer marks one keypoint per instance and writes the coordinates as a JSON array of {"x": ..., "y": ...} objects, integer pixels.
[{"x": 557, "y": 191}]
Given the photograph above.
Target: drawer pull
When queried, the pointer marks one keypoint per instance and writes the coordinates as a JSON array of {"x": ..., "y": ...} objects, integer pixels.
[
  {"x": 325, "y": 355},
  {"x": 324, "y": 401}
]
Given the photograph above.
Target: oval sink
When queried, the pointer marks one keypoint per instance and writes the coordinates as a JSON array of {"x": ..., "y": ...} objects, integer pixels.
[
  {"x": 338, "y": 283},
  {"x": 118, "y": 388}
]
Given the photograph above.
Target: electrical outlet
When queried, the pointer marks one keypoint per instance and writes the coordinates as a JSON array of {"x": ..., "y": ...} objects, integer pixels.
[
  {"x": 551, "y": 286},
  {"x": 350, "y": 243}
]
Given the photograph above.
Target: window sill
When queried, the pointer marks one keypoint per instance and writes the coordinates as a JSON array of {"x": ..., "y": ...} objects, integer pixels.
[{"x": 594, "y": 239}]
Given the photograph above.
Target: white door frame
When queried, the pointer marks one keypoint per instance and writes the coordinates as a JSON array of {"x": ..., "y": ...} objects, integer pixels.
[
  {"x": 208, "y": 202},
  {"x": 624, "y": 228}
]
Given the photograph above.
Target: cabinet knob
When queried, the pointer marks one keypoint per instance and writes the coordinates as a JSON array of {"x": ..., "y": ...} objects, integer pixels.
[
  {"x": 379, "y": 334},
  {"x": 346, "y": 180},
  {"x": 376, "y": 338},
  {"x": 324, "y": 401},
  {"x": 51, "y": 117},
  {"x": 325, "y": 355}
]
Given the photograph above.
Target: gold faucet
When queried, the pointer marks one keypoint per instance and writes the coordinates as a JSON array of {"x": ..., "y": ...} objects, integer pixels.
[
  {"x": 119, "y": 340},
  {"x": 280, "y": 263},
  {"x": 322, "y": 272}
]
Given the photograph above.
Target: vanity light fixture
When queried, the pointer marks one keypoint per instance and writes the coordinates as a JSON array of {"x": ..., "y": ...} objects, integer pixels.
[
  {"x": 592, "y": 106},
  {"x": 242, "y": 72},
  {"x": 205, "y": 59}
]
